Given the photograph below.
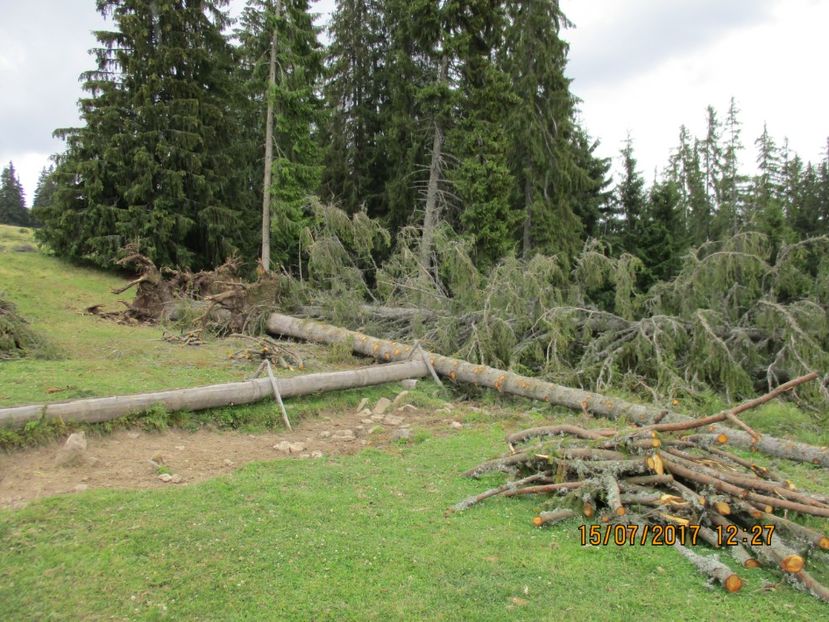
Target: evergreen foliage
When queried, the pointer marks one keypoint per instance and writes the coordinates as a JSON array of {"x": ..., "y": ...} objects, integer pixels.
[
  {"x": 547, "y": 165},
  {"x": 12, "y": 199},
  {"x": 153, "y": 163},
  {"x": 355, "y": 95},
  {"x": 297, "y": 166},
  {"x": 45, "y": 190}
]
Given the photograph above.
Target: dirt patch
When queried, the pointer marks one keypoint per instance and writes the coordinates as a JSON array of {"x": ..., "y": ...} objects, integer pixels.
[{"x": 124, "y": 459}]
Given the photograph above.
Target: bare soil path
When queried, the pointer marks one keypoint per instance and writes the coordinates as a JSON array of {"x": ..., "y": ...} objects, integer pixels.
[{"x": 124, "y": 459}]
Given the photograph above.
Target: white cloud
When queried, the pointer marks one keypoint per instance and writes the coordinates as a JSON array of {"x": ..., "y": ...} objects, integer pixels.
[
  {"x": 642, "y": 65},
  {"x": 766, "y": 64}
]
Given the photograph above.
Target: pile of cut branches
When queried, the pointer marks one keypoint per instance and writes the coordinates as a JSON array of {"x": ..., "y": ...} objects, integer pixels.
[{"x": 668, "y": 484}]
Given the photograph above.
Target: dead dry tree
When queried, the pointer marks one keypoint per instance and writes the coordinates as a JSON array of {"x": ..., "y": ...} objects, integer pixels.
[{"x": 665, "y": 484}]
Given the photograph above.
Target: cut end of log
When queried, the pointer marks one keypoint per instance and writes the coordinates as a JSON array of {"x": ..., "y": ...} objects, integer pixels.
[
  {"x": 733, "y": 584},
  {"x": 620, "y": 511},
  {"x": 655, "y": 464},
  {"x": 751, "y": 563},
  {"x": 722, "y": 439},
  {"x": 722, "y": 507},
  {"x": 588, "y": 510},
  {"x": 792, "y": 564},
  {"x": 823, "y": 543},
  {"x": 538, "y": 521}
]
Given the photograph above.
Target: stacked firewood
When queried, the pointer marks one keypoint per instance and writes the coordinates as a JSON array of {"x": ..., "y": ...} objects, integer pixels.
[{"x": 667, "y": 484}]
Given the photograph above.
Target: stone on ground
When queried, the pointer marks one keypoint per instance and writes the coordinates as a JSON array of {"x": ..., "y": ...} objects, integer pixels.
[
  {"x": 381, "y": 406},
  {"x": 400, "y": 399},
  {"x": 401, "y": 434},
  {"x": 409, "y": 384},
  {"x": 73, "y": 451},
  {"x": 287, "y": 447},
  {"x": 344, "y": 435}
]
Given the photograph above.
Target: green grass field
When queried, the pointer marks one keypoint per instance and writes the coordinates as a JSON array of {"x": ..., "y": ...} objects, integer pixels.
[{"x": 361, "y": 537}]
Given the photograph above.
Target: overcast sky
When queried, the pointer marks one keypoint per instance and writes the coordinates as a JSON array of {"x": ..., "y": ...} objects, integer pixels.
[{"x": 639, "y": 66}]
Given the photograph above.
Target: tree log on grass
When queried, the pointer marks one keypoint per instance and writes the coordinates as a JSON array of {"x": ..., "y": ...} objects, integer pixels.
[
  {"x": 533, "y": 388},
  {"x": 213, "y": 396}
]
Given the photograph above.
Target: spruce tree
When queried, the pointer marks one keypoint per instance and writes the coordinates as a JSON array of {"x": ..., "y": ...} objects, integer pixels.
[
  {"x": 12, "y": 199},
  {"x": 712, "y": 159},
  {"x": 482, "y": 178},
  {"x": 663, "y": 239},
  {"x": 630, "y": 197},
  {"x": 356, "y": 95},
  {"x": 45, "y": 191},
  {"x": 686, "y": 171},
  {"x": 541, "y": 125},
  {"x": 823, "y": 193},
  {"x": 731, "y": 199},
  {"x": 297, "y": 165},
  {"x": 591, "y": 199},
  {"x": 154, "y": 160}
]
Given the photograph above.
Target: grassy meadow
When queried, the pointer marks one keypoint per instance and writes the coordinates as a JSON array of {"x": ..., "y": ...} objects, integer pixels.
[{"x": 359, "y": 537}]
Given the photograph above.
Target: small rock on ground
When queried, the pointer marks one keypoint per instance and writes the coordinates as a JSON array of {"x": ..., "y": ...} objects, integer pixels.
[
  {"x": 362, "y": 404},
  {"x": 401, "y": 434},
  {"x": 288, "y": 447},
  {"x": 228, "y": 462},
  {"x": 456, "y": 425},
  {"x": 392, "y": 420},
  {"x": 381, "y": 406},
  {"x": 409, "y": 384},
  {"x": 344, "y": 435},
  {"x": 73, "y": 451},
  {"x": 316, "y": 454},
  {"x": 325, "y": 434},
  {"x": 406, "y": 408},
  {"x": 400, "y": 398}
]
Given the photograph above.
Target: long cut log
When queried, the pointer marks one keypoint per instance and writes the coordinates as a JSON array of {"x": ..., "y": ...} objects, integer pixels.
[
  {"x": 533, "y": 388},
  {"x": 212, "y": 396}
]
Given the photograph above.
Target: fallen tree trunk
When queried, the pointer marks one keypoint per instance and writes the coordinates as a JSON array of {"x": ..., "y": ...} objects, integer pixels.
[
  {"x": 533, "y": 388},
  {"x": 212, "y": 396}
]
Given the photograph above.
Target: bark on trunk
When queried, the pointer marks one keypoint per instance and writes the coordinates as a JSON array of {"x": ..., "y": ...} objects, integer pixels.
[
  {"x": 213, "y": 396},
  {"x": 533, "y": 388},
  {"x": 713, "y": 568},
  {"x": 430, "y": 216},
  {"x": 266, "y": 183}
]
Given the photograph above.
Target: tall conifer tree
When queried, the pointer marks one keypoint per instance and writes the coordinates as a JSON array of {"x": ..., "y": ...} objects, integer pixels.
[
  {"x": 544, "y": 146},
  {"x": 153, "y": 162},
  {"x": 297, "y": 164},
  {"x": 12, "y": 199},
  {"x": 356, "y": 95}
]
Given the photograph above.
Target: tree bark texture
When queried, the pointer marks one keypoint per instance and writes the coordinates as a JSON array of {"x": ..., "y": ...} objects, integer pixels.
[
  {"x": 212, "y": 396},
  {"x": 578, "y": 400}
]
